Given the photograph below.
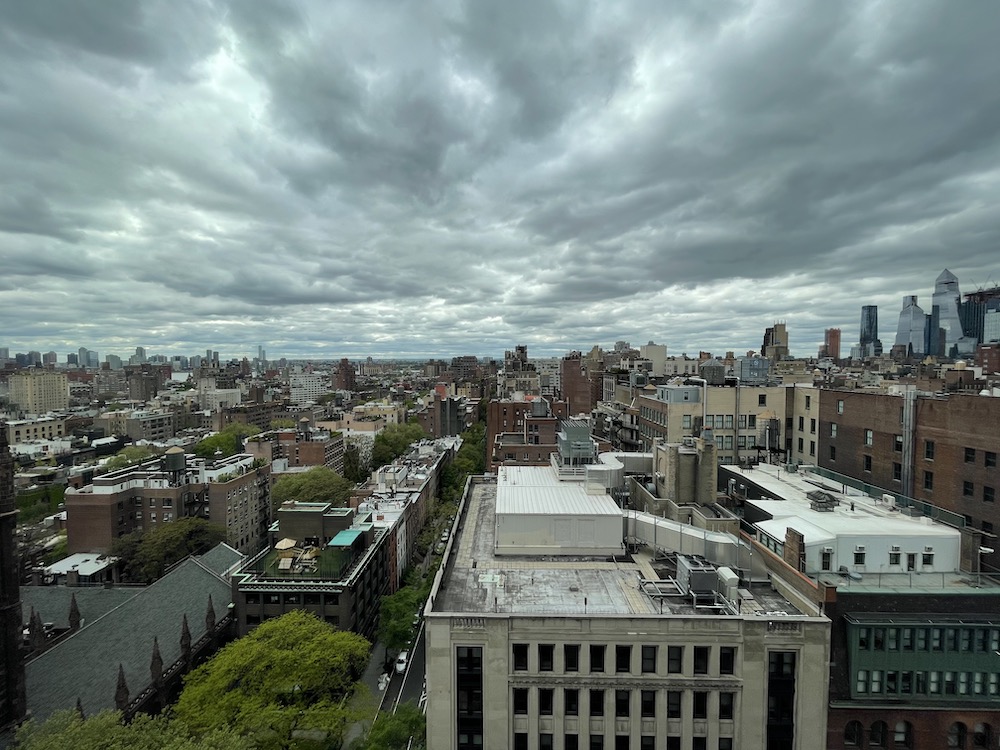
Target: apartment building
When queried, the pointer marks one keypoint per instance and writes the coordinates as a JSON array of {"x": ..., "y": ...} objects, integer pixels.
[
  {"x": 233, "y": 492},
  {"x": 41, "y": 428},
  {"x": 39, "y": 391},
  {"x": 546, "y": 630},
  {"x": 304, "y": 447},
  {"x": 743, "y": 421},
  {"x": 522, "y": 431}
]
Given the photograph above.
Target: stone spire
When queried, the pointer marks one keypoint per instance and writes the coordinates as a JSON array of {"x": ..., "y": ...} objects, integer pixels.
[
  {"x": 210, "y": 616},
  {"x": 185, "y": 640},
  {"x": 121, "y": 691},
  {"x": 74, "y": 614}
]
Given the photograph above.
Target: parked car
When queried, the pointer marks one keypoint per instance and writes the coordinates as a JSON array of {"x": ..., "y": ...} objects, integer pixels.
[{"x": 401, "y": 661}]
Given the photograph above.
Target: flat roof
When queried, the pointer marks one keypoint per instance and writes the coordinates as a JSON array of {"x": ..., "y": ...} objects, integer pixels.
[
  {"x": 84, "y": 563},
  {"x": 475, "y": 580},
  {"x": 345, "y": 538},
  {"x": 536, "y": 490},
  {"x": 856, "y": 515}
]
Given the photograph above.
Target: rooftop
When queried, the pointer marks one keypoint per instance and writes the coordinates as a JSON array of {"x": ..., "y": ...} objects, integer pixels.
[{"x": 475, "y": 580}]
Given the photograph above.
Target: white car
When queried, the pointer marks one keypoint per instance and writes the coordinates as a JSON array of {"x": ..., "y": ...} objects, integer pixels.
[{"x": 401, "y": 661}]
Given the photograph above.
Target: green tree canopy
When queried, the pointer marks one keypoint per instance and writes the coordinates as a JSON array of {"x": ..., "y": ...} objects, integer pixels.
[
  {"x": 393, "y": 441},
  {"x": 228, "y": 441},
  {"x": 395, "y": 622},
  {"x": 318, "y": 485},
  {"x": 145, "y": 555},
  {"x": 355, "y": 468},
  {"x": 282, "y": 423},
  {"x": 67, "y": 729},
  {"x": 128, "y": 456},
  {"x": 284, "y": 684},
  {"x": 393, "y": 731}
]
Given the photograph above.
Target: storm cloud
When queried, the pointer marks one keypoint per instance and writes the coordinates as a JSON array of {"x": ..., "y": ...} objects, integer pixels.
[{"x": 434, "y": 179}]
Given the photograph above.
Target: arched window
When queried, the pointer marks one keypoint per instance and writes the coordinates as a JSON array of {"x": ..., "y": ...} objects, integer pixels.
[
  {"x": 902, "y": 736},
  {"x": 879, "y": 735},
  {"x": 956, "y": 735},
  {"x": 853, "y": 733},
  {"x": 982, "y": 736}
]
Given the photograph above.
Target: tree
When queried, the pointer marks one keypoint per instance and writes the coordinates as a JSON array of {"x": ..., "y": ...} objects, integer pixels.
[
  {"x": 145, "y": 556},
  {"x": 355, "y": 469},
  {"x": 395, "y": 622},
  {"x": 128, "y": 456},
  {"x": 106, "y": 730},
  {"x": 318, "y": 485},
  {"x": 284, "y": 685},
  {"x": 228, "y": 441},
  {"x": 393, "y": 731},
  {"x": 393, "y": 441},
  {"x": 282, "y": 423}
]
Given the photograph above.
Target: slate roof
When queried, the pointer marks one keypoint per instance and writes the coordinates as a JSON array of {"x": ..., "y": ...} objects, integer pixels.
[
  {"x": 221, "y": 559},
  {"x": 52, "y": 602},
  {"x": 85, "y": 665}
]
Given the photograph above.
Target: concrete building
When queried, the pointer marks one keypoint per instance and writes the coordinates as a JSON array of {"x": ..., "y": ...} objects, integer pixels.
[
  {"x": 153, "y": 426},
  {"x": 307, "y": 387},
  {"x": 233, "y": 492},
  {"x": 305, "y": 447},
  {"x": 539, "y": 636},
  {"x": 40, "y": 428},
  {"x": 39, "y": 391},
  {"x": 913, "y": 618}
]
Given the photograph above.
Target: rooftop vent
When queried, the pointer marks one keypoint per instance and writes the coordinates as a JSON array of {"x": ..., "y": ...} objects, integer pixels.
[{"x": 822, "y": 502}]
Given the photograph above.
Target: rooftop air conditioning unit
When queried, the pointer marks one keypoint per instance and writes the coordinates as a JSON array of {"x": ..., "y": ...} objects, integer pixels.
[
  {"x": 894, "y": 548},
  {"x": 828, "y": 549},
  {"x": 928, "y": 549},
  {"x": 859, "y": 548}
]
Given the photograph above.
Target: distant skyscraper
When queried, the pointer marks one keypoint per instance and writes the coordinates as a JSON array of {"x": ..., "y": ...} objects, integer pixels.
[
  {"x": 946, "y": 300},
  {"x": 50, "y": 358},
  {"x": 868, "y": 339},
  {"x": 831, "y": 343},
  {"x": 910, "y": 331},
  {"x": 775, "y": 344}
]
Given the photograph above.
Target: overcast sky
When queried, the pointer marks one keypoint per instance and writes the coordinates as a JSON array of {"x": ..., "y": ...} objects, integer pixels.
[{"x": 417, "y": 179}]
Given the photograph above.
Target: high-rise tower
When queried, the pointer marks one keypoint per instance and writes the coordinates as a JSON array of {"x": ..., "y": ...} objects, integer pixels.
[
  {"x": 12, "y": 700},
  {"x": 946, "y": 300},
  {"x": 868, "y": 340},
  {"x": 910, "y": 331}
]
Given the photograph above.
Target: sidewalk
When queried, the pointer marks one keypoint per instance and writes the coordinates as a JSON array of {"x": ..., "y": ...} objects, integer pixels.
[{"x": 368, "y": 697}]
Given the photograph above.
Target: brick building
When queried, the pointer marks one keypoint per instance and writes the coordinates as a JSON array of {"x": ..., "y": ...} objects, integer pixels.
[
  {"x": 233, "y": 492},
  {"x": 523, "y": 427}
]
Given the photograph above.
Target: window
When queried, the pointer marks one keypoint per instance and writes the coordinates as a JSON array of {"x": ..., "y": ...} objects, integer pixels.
[
  {"x": 802, "y": 423},
  {"x": 647, "y": 703},
  {"x": 927, "y": 559},
  {"x": 597, "y": 703},
  {"x": 729, "y": 421},
  {"x": 571, "y": 657},
  {"x": 762, "y": 399},
  {"x": 571, "y": 742},
  {"x": 727, "y": 660},
  {"x": 571, "y": 701},
  {"x": 897, "y": 443},
  {"x": 833, "y": 429},
  {"x": 546, "y": 654},
  {"x": 928, "y": 480},
  {"x": 894, "y": 558},
  {"x": 686, "y": 421},
  {"x": 868, "y": 463},
  {"x": 970, "y": 455},
  {"x": 800, "y": 445},
  {"x": 520, "y": 741},
  {"x": 718, "y": 421},
  {"x": 929, "y": 450},
  {"x": 647, "y": 742},
  {"x": 623, "y": 658},
  {"x": 852, "y": 734},
  {"x": 700, "y": 704},
  {"x": 833, "y": 453},
  {"x": 840, "y": 407},
  {"x": 861, "y": 684},
  {"x": 878, "y": 735},
  {"x": 869, "y": 437},
  {"x": 725, "y": 743},
  {"x": 808, "y": 401},
  {"x": 597, "y": 742},
  {"x": 648, "y": 659},
  {"x": 673, "y": 704},
  {"x": 897, "y": 472},
  {"x": 968, "y": 489},
  {"x": 520, "y": 657},
  {"x": 752, "y": 421},
  {"x": 701, "y": 654},
  {"x": 622, "y": 742},
  {"x": 902, "y": 736},
  {"x": 812, "y": 426},
  {"x": 545, "y": 701},
  {"x": 726, "y": 702},
  {"x": 990, "y": 459},
  {"x": 673, "y": 743},
  {"x": 544, "y": 741},
  {"x": 622, "y": 703},
  {"x": 989, "y": 494},
  {"x": 859, "y": 557},
  {"x": 675, "y": 659},
  {"x": 699, "y": 743},
  {"x": 520, "y": 701},
  {"x": 812, "y": 447},
  {"x": 596, "y": 658}
]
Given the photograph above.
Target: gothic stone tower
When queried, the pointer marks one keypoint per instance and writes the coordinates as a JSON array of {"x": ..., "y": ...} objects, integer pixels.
[{"x": 12, "y": 700}]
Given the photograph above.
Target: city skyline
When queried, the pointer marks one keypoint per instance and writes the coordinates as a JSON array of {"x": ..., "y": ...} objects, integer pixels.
[{"x": 455, "y": 179}]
